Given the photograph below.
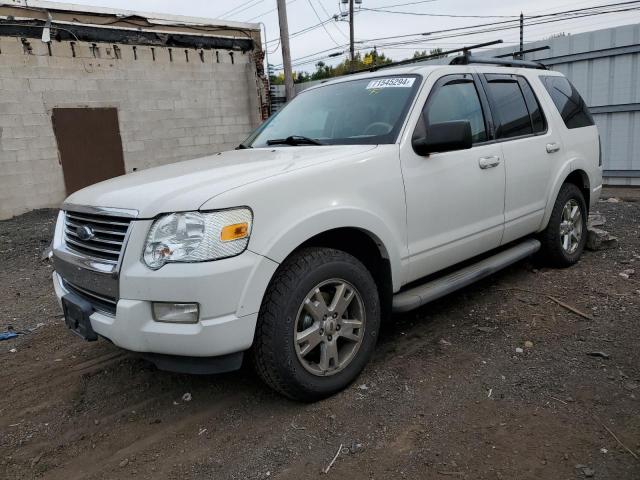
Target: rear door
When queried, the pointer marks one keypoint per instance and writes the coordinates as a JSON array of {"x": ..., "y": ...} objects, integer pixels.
[
  {"x": 455, "y": 200},
  {"x": 529, "y": 148}
]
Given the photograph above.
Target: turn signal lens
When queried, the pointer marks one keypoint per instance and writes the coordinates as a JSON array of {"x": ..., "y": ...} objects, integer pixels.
[{"x": 234, "y": 232}]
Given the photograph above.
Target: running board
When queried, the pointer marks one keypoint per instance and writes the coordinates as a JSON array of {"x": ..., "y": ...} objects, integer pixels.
[{"x": 427, "y": 292}]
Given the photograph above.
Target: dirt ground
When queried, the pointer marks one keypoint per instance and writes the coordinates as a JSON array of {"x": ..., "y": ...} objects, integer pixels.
[{"x": 446, "y": 396}]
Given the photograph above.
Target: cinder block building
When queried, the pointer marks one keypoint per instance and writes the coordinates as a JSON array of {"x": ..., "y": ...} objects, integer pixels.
[{"x": 88, "y": 94}]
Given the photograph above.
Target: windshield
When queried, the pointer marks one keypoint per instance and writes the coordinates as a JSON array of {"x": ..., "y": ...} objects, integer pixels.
[{"x": 366, "y": 111}]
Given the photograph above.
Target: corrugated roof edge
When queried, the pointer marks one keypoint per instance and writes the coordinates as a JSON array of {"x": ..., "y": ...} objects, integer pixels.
[{"x": 155, "y": 18}]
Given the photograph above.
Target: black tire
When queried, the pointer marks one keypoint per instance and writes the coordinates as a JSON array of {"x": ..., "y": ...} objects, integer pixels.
[
  {"x": 274, "y": 352},
  {"x": 552, "y": 252}
]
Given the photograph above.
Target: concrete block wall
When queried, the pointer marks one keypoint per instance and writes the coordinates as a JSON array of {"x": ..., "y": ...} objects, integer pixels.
[{"x": 173, "y": 104}]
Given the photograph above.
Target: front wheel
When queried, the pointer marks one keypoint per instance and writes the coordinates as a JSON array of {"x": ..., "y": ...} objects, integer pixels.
[
  {"x": 564, "y": 238},
  {"x": 318, "y": 324}
]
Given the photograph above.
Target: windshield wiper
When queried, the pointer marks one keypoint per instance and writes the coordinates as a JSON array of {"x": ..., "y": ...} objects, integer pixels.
[{"x": 294, "y": 140}]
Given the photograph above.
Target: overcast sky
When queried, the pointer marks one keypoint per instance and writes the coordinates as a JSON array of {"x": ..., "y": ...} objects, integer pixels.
[{"x": 373, "y": 24}]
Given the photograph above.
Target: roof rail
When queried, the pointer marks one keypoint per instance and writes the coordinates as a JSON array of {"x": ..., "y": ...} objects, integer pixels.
[
  {"x": 518, "y": 55},
  {"x": 425, "y": 57},
  {"x": 467, "y": 59}
]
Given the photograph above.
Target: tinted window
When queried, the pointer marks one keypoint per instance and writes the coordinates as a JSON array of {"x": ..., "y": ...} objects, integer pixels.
[
  {"x": 457, "y": 100},
  {"x": 568, "y": 101},
  {"x": 509, "y": 106},
  {"x": 537, "y": 118}
]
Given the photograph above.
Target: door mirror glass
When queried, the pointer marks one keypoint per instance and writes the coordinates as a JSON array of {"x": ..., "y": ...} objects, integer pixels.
[{"x": 444, "y": 137}]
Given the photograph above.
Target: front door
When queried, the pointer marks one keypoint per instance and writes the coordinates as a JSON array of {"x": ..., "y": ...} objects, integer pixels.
[{"x": 455, "y": 200}]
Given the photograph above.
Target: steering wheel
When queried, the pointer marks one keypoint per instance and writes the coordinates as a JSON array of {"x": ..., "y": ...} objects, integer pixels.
[{"x": 370, "y": 130}]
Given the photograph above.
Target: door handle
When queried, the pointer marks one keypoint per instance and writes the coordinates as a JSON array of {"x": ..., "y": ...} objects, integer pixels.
[
  {"x": 488, "y": 162},
  {"x": 552, "y": 147}
]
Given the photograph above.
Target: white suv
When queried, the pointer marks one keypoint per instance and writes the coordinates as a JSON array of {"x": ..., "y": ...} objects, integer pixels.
[{"x": 346, "y": 205}]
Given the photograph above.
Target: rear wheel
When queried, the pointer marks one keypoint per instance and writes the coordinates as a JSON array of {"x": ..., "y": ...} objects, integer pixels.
[
  {"x": 564, "y": 238},
  {"x": 318, "y": 324}
]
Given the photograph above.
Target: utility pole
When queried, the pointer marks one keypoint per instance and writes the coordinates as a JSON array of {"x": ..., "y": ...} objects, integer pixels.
[
  {"x": 521, "y": 54},
  {"x": 352, "y": 55},
  {"x": 286, "y": 53}
]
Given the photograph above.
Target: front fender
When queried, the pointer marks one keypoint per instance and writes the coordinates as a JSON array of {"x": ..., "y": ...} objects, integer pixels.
[
  {"x": 288, "y": 236},
  {"x": 364, "y": 191}
]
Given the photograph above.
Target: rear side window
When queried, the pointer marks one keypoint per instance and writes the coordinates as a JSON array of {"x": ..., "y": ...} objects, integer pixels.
[
  {"x": 509, "y": 106},
  {"x": 538, "y": 122},
  {"x": 568, "y": 101}
]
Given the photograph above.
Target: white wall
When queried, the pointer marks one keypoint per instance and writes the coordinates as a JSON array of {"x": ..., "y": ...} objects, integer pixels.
[{"x": 168, "y": 110}]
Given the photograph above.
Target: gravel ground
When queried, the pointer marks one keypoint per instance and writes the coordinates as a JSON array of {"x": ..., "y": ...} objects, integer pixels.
[{"x": 446, "y": 396}]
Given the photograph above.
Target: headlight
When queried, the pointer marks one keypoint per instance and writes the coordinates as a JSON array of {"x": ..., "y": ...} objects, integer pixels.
[{"x": 197, "y": 236}]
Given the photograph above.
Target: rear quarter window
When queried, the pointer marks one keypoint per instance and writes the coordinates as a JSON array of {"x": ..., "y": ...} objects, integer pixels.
[{"x": 568, "y": 101}]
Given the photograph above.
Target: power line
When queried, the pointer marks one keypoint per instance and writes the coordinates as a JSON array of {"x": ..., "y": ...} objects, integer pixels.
[
  {"x": 222, "y": 15},
  {"x": 303, "y": 31},
  {"x": 322, "y": 23},
  {"x": 420, "y": 14},
  {"x": 267, "y": 12},
  {"x": 236, "y": 11},
  {"x": 538, "y": 20},
  {"x": 335, "y": 24},
  {"x": 405, "y": 4}
]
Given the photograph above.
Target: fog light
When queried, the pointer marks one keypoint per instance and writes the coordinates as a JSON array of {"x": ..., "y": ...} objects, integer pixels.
[{"x": 175, "y": 312}]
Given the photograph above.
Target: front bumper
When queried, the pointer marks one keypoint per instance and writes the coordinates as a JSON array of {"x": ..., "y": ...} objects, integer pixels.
[{"x": 229, "y": 293}]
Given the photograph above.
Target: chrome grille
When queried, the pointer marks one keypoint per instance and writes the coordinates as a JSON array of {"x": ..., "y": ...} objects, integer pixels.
[{"x": 107, "y": 236}]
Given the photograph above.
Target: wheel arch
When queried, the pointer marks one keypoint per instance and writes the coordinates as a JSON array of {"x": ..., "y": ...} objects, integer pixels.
[
  {"x": 577, "y": 177},
  {"x": 368, "y": 249}
]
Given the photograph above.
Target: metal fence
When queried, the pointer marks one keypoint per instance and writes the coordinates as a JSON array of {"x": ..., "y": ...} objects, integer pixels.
[{"x": 604, "y": 65}]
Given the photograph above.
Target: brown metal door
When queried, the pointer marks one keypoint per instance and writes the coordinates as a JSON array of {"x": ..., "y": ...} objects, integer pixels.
[{"x": 89, "y": 144}]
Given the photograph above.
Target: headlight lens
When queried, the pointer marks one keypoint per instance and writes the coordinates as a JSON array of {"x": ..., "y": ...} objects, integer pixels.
[{"x": 197, "y": 236}]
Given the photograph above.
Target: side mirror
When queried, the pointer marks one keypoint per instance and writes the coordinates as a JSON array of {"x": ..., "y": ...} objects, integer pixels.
[{"x": 444, "y": 137}]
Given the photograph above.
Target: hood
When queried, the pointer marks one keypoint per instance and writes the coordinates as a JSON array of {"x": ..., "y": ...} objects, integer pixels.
[{"x": 187, "y": 185}]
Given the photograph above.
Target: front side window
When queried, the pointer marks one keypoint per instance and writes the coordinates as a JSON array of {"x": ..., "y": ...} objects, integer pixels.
[
  {"x": 509, "y": 107},
  {"x": 363, "y": 111},
  {"x": 568, "y": 101},
  {"x": 454, "y": 99}
]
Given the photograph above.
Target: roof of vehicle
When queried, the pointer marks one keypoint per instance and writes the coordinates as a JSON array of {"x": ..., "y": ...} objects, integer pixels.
[{"x": 426, "y": 68}]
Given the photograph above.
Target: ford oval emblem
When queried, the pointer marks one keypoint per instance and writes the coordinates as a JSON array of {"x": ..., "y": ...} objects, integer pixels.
[{"x": 85, "y": 233}]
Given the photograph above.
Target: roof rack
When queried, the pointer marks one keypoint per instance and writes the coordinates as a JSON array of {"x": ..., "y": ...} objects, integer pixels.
[
  {"x": 426, "y": 57},
  {"x": 518, "y": 55},
  {"x": 468, "y": 59}
]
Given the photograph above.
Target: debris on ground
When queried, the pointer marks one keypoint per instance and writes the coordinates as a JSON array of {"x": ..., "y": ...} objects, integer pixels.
[
  {"x": 7, "y": 335},
  {"x": 528, "y": 344},
  {"x": 186, "y": 397},
  {"x": 356, "y": 447},
  {"x": 626, "y": 274},
  {"x": 46, "y": 253},
  {"x": 485, "y": 329},
  {"x": 519, "y": 350},
  {"x": 326, "y": 470},
  {"x": 598, "y": 354},
  {"x": 596, "y": 219},
  {"x": 598, "y": 239}
]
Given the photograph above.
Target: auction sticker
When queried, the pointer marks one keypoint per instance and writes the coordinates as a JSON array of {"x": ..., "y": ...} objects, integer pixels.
[{"x": 395, "y": 82}]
